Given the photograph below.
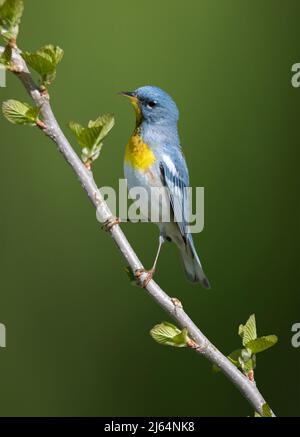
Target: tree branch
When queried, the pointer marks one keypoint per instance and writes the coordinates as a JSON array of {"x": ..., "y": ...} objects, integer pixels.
[{"x": 202, "y": 345}]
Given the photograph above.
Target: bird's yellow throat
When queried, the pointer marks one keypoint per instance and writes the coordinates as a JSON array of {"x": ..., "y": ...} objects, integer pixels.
[
  {"x": 136, "y": 106},
  {"x": 138, "y": 154}
]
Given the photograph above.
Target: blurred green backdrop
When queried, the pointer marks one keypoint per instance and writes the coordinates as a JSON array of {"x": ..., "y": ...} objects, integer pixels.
[{"x": 77, "y": 332}]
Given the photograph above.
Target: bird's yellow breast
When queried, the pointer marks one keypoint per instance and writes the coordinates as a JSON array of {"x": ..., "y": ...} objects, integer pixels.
[{"x": 138, "y": 154}]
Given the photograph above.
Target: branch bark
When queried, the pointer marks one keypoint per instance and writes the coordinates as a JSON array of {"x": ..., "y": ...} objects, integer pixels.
[{"x": 202, "y": 345}]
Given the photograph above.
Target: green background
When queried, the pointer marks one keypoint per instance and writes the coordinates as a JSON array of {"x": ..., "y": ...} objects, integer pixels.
[{"x": 77, "y": 333}]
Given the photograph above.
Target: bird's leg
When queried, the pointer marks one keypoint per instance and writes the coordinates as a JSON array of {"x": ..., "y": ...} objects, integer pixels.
[
  {"x": 150, "y": 273},
  {"x": 161, "y": 242}
]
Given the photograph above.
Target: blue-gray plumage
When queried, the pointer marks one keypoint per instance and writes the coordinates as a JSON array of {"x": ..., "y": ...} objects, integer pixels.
[{"x": 154, "y": 158}]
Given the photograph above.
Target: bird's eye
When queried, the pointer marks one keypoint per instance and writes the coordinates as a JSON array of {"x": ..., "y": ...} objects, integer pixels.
[{"x": 151, "y": 104}]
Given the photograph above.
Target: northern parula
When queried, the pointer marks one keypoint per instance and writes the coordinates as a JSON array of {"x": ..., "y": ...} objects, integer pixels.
[{"x": 154, "y": 158}]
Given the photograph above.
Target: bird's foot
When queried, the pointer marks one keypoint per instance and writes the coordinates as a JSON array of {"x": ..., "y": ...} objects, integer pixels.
[
  {"x": 140, "y": 272},
  {"x": 110, "y": 223}
]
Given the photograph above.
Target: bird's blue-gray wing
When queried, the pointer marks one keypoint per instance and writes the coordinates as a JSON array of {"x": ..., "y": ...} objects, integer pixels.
[{"x": 175, "y": 177}]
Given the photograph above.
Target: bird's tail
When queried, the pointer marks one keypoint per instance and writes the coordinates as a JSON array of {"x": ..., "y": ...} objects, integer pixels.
[{"x": 192, "y": 264}]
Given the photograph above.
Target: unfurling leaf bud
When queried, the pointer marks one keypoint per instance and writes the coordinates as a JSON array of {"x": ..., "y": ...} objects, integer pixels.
[
  {"x": 44, "y": 61},
  {"x": 169, "y": 335},
  {"x": 11, "y": 12},
  {"x": 90, "y": 138},
  {"x": 20, "y": 113}
]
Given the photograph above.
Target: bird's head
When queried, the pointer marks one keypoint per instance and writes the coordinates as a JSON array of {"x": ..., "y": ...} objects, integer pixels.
[{"x": 153, "y": 105}]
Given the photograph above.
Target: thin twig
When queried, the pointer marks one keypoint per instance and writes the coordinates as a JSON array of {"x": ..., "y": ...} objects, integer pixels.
[{"x": 202, "y": 345}]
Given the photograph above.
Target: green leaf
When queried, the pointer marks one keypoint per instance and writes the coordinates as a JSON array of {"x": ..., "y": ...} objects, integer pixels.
[
  {"x": 90, "y": 138},
  {"x": 248, "y": 331},
  {"x": 55, "y": 53},
  {"x": 44, "y": 61},
  {"x": 266, "y": 411},
  {"x": 11, "y": 12},
  {"x": 20, "y": 113},
  {"x": 262, "y": 343},
  {"x": 5, "y": 58},
  {"x": 246, "y": 355},
  {"x": 167, "y": 334},
  {"x": 233, "y": 357},
  {"x": 95, "y": 132},
  {"x": 40, "y": 61},
  {"x": 90, "y": 155},
  {"x": 77, "y": 129},
  {"x": 106, "y": 122},
  {"x": 248, "y": 365}
]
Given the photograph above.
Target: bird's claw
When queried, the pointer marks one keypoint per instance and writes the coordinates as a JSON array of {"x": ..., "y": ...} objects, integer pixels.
[
  {"x": 110, "y": 223},
  {"x": 140, "y": 272}
]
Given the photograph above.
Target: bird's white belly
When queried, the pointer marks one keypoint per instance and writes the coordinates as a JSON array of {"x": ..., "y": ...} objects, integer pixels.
[{"x": 147, "y": 188}]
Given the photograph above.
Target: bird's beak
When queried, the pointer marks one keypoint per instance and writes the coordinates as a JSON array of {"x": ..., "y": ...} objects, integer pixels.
[
  {"x": 129, "y": 94},
  {"x": 135, "y": 103}
]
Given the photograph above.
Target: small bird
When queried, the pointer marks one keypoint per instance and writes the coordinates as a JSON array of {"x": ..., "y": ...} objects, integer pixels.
[{"x": 154, "y": 158}]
